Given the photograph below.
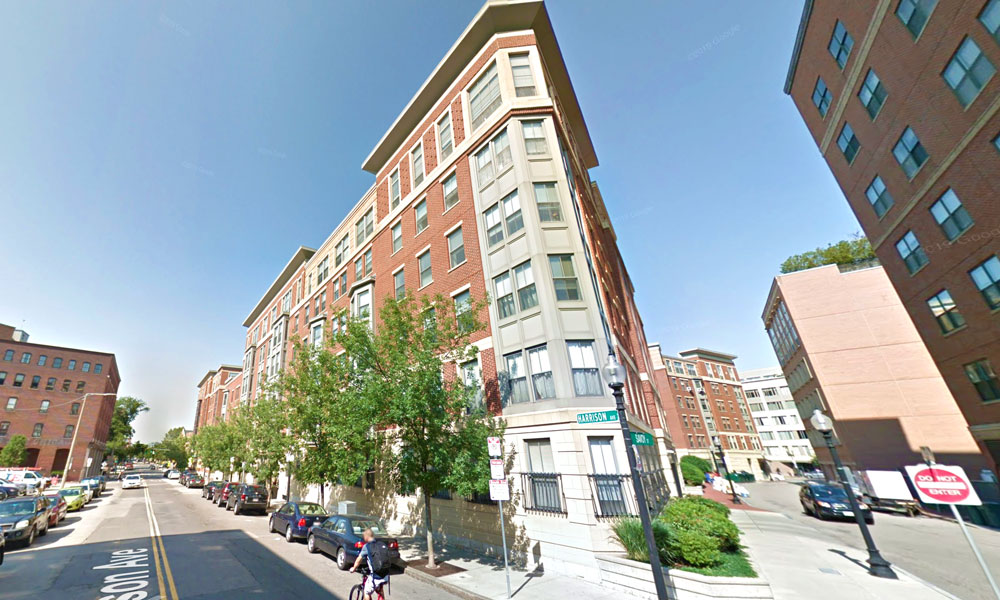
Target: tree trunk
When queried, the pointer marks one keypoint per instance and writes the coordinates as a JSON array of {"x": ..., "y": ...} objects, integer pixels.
[
  {"x": 430, "y": 531},
  {"x": 322, "y": 495}
]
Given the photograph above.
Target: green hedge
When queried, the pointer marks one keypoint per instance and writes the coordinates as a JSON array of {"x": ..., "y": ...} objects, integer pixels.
[
  {"x": 692, "y": 475},
  {"x": 701, "y": 529},
  {"x": 630, "y": 535},
  {"x": 704, "y": 465}
]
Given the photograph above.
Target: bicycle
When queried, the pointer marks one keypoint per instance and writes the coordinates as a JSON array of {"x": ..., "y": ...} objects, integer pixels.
[{"x": 358, "y": 591}]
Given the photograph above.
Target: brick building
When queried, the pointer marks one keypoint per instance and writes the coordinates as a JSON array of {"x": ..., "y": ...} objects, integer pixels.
[
  {"x": 704, "y": 405},
  {"x": 46, "y": 390},
  {"x": 216, "y": 391},
  {"x": 901, "y": 97},
  {"x": 481, "y": 186}
]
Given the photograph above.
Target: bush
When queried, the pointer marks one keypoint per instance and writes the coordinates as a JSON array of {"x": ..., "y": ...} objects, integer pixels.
[
  {"x": 708, "y": 503},
  {"x": 696, "y": 549},
  {"x": 704, "y": 516},
  {"x": 630, "y": 535},
  {"x": 692, "y": 475},
  {"x": 704, "y": 465}
]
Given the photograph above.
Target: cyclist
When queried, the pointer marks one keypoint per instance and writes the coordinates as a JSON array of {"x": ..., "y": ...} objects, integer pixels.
[{"x": 376, "y": 555}]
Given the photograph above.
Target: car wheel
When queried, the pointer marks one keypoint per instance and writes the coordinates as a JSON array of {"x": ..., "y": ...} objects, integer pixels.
[
  {"x": 31, "y": 538},
  {"x": 311, "y": 544},
  {"x": 236, "y": 509},
  {"x": 805, "y": 508},
  {"x": 270, "y": 525},
  {"x": 288, "y": 534},
  {"x": 870, "y": 521},
  {"x": 342, "y": 559},
  {"x": 45, "y": 531}
]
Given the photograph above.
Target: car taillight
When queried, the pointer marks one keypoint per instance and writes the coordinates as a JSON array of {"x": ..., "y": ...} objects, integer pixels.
[
  {"x": 394, "y": 544},
  {"x": 359, "y": 544},
  {"x": 243, "y": 497},
  {"x": 302, "y": 522}
]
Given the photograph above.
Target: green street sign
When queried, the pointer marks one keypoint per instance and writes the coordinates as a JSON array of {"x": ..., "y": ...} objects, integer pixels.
[
  {"x": 601, "y": 416},
  {"x": 642, "y": 439}
]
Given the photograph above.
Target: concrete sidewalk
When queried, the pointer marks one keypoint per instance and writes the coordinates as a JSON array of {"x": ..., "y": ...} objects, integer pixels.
[{"x": 797, "y": 565}]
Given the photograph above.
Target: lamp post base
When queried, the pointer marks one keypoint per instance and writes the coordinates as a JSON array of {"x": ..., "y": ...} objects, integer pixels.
[{"x": 880, "y": 567}]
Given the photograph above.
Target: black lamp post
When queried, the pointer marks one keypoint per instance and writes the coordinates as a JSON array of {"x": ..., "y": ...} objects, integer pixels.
[
  {"x": 722, "y": 457},
  {"x": 677, "y": 474},
  {"x": 878, "y": 566},
  {"x": 615, "y": 373}
]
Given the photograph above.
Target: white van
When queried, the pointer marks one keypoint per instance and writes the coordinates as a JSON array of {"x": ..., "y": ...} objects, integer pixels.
[{"x": 32, "y": 479}]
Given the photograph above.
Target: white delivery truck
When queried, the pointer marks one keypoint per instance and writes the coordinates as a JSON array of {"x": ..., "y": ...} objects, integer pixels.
[
  {"x": 887, "y": 490},
  {"x": 31, "y": 478}
]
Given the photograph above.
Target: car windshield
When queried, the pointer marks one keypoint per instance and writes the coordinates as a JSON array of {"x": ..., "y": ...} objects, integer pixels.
[
  {"x": 829, "y": 493},
  {"x": 70, "y": 492},
  {"x": 131, "y": 477},
  {"x": 11, "y": 509},
  {"x": 359, "y": 526},
  {"x": 52, "y": 500},
  {"x": 311, "y": 509}
]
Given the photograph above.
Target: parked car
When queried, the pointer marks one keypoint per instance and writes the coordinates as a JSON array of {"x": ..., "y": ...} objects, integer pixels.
[
  {"x": 294, "y": 519},
  {"x": 30, "y": 477},
  {"x": 340, "y": 536},
  {"x": 3, "y": 547},
  {"x": 247, "y": 497},
  {"x": 9, "y": 491},
  {"x": 58, "y": 508},
  {"x": 194, "y": 480},
  {"x": 24, "y": 518},
  {"x": 830, "y": 501},
  {"x": 172, "y": 474},
  {"x": 21, "y": 488},
  {"x": 94, "y": 484},
  {"x": 222, "y": 496},
  {"x": 75, "y": 497},
  {"x": 132, "y": 481},
  {"x": 209, "y": 489}
]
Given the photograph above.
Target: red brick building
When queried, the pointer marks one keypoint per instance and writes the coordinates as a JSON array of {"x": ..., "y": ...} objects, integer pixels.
[
  {"x": 218, "y": 391},
  {"x": 903, "y": 101},
  {"x": 46, "y": 391}
]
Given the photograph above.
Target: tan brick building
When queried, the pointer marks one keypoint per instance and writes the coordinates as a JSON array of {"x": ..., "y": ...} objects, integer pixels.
[{"x": 902, "y": 99}]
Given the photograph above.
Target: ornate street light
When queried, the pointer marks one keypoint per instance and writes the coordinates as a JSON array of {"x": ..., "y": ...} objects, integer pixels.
[{"x": 728, "y": 475}]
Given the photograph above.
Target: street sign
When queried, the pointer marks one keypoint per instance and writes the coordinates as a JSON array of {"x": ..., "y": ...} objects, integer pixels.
[
  {"x": 494, "y": 446},
  {"x": 499, "y": 491},
  {"x": 943, "y": 484},
  {"x": 642, "y": 439},
  {"x": 600, "y": 416},
  {"x": 496, "y": 469}
]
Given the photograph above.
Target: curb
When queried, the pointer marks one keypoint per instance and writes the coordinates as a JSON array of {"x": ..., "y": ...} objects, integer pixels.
[
  {"x": 925, "y": 583},
  {"x": 444, "y": 585}
]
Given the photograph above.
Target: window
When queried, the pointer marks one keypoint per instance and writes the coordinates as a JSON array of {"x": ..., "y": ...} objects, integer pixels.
[
  {"x": 879, "y": 197},
  {"x": 540, "y": 456},
  {"x": 547, "y": 199},
  {"x": 35, "y": 381},
  {"x": 782, "y": 333},
  {"x": 19, "y": 380},
  {"x": 3, "y": 377},
  {"x": 4, "y": 427},
  {"x": 501, "y": 151},
  {"x": 484, "y": 96},
  {"x": 981, "y": 374},
  {"x": 80, "y": 386},
  {"x": 37, "y": 431},
  {"x": 822, "y": 96},
  {"x": 25, "y": 357},
  {"x": 450, "y": 188},
  {"x": 770, "y": 392},
  {"x": 872, "y": 94},
  {"x": 417, "y": 164},
  {"x": 44, "y": 407},
  {"x": 72, "y": 365},
  {"x": 524, "y": 280},
  {"x": 74, "y": 409},
  {"x": 41, "y": 360},
  {"x": 463, "y": 310},
  {"x": 493, "y": 158},
  {"x": 914, "y": 14},
  {"x": 364, "y": 228},
  {"x": 11, "y": 403},
  {"x": 86, "y": 367},
  {"x": 472, "y": 378},
  {"x": 65, "y": 385},
  {"x": 911, "y": 252},
  {"x": 517, "y": 378},
  {"x": 456, "y": 248},
  {"x": 317, "y": 335},
  {"x": 944, "y": 310},
  {"x": 505, "y": 214},
  {"x": 986, "y": 277},
  {"x": 446, "y": 137},
  {"x": 841, "y": 44},
  {"x": 68, "y": 432},
  {"x": 951, "y": 215},
  {"x": 505, "y": 295},
  {"x": 968, "y": 71},
  {"x": 56, "y": 363},
  {"x": 399, "y": 284},
  {"x": 397, "y": 237},
  {"x": 520, "y": 68},
  {"x": 420, "y": 214},
  {"x": 484, "y": 165},
  {"x": 990, "y": 18},
  {"x": 541, "y": 373},
  {"x": 564, "y": 277},
  {"x": 362, "y": 303},
  {"x": 848, "y": 143},
  {"x": 424, "y": 265},
  {"x": 909, "y": 153},
  {"x": 534, "y": 138},
  {"x": 394, "y": 193},
  {"x": 583, "y": 362}
]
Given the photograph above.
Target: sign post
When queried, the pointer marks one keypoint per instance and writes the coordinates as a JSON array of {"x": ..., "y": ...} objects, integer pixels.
[
  {"x": 499, "y": 491},
  {"x": 943, "y": 484}
]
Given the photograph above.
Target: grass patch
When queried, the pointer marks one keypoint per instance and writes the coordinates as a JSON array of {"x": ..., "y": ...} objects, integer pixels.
[{"x": 733, "y": 564}]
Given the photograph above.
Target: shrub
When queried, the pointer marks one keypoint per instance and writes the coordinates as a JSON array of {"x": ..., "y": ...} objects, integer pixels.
[
  {"x": 692, "y": 475},
  {"x": 696, "y": 549},
  {"x": 701, "y": 529},
  {"x": 708, "y": 503},
  {"x": 704, "y": 465},
  {"x": 630, "y": 535}
]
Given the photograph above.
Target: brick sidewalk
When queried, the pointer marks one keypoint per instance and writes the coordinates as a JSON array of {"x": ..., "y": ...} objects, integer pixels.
[{"x": 727, "y": 499}]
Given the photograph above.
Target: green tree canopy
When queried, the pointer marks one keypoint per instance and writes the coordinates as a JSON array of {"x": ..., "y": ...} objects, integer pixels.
[
  {"x": 14, "y": 453},
  {"x": 173, "y": 447},
  {"x": 845, "y": 252},
  {"x": 127, "y": 408}
]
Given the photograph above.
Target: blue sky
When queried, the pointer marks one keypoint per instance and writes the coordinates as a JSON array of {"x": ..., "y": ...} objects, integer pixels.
[{"x": 161, "y": 162}]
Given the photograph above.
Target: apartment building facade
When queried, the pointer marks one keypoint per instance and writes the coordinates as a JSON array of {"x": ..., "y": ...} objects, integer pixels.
[
  {"x": 482, "y": 189},
  {"x": 705, "y": 407},
  {"x": 901, "y": 97},
  {"x": 786, "y": 446},
  {"x": 47, "y": 391},
  {"x": 218, "y": 392},
  {"x": 847, "y": 346}
]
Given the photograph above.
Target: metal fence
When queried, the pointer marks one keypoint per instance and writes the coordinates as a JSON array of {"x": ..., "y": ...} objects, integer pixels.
[{"x": 543, "y": 492}]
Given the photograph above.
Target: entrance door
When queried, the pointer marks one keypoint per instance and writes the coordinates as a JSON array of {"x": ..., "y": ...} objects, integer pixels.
[{"x": 59, "y": 462}]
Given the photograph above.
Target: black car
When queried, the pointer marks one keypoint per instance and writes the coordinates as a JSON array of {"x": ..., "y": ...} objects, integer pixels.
[
  {"x": 830, "y": 501},
  {"x": 247, "y": 497},
  {"x": 294, "y": 519},
  {"x": 24, "y": 518},
  {"x": 341, "y": 536},
  {"x": 9, "y": 491},
  {"x": 194, "y": 480},
  {"x": 209, "y": 489}
]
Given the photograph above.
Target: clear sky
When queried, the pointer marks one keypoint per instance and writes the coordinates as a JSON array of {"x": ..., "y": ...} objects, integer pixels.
[{"x": 160, "y": 162}]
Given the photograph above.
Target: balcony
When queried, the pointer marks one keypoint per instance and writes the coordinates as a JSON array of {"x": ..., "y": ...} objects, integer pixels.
[{"x": 543, "y": 493}]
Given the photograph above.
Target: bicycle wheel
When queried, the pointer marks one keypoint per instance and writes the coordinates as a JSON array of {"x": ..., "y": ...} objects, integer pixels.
[{"x": 357, "y": 593}]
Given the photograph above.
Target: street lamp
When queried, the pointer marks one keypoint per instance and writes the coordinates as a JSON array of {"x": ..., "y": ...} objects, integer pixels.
[
  {"x": 728, "y": 475},
  {"x": 615, "y": 373},
  {"x": 677, "y": 475},
  {"x": 879, "y": 566},
  {"x": 76, "y": 430}
]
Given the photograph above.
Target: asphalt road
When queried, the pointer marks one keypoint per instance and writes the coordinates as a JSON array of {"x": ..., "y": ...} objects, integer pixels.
[
  {"x": 165, "y": 541},
  {"x": 933, "y": 549}
]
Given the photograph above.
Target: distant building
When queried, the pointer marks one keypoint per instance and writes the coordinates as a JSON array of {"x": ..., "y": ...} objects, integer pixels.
[
  {"x": 786, "y": 446},
  {"x": 847, "y": 347},
  {"x": 44, "y": 390},
  {"x": 218, "y": 392}
]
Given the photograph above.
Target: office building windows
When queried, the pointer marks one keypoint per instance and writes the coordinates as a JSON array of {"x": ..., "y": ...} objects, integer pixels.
[
  {"x": 986, "y": 276},
  {"x": 450, "y": 189},
  {"x": 520, "y": 67},
  {"x": 968, "y": 71},
  {"x": 484, "y": 96},
  {"x": 68, "y": 431},
  {"x": 848, "y": 143},
  {"x": 397, "y": 237},
  {"x": 26, "y": 357},
  {"x": 564, "y": 277},
  {"x": 872, "y": 94},
  {"x": 914, "y": 14},
  {"x": 547, "y": 200},
  {"x": 527, "y": 296},
  {"x": 456, "y": 248},
  {"x": 86, "y": 367},
  {"x": 420, "y": 215},
  {"x": 951, "y": 215},
  {"x": 990, "y": 18},
  {"x": 982, "y": 377},
  {"x": 42, "y": 360},
  {"x": 35, "y": 380},
  {"x": 37, "y": 431},
  {"x": 424, "y": 265},
  {"x": 80, "y": 386},
  {"x": 944, "y": 310},
  {"x": 394, "y": 192},
  {"x": 8, "y": 355},
  {"x": 534, "y": 138},
  {"x": 11, "y": 403},
  {"x": 909, "y": 153},
  {"x": 65, "y": 385},
  {"x": 74, "y": 409},
  {"x": 44, "y": 407},
  {"x": 586, "y": 374},
  {"x": 50, "y": 384},
  {"x": 446, "y": 137},
  {"x": 822, "y": 96},
  {"x": 879, "y": 197},
  {"x": 57, "y": 363},
  {"x": 841, "y": 44},
  {"x": 399, "y": 283},
  {"x": 911, "y": 252},
  {"x": 19, "y": 380},
  {"x": 417, "y": 164}
]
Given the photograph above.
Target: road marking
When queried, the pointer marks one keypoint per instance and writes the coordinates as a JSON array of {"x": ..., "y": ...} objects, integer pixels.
[{"x": 161, "y": 555}]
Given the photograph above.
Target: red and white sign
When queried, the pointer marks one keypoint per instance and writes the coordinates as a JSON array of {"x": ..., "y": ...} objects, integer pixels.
[
  {"x": 499, "y": 490},
  {"x": 943, "y": 484},
  {"x": 494, "y": 447},
  {"x": 496, "y": 469}
]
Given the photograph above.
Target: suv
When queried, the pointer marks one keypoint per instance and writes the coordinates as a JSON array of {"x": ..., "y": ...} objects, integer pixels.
[
  {"x": 221, "y": 496},
  {"x": 247, "y": 497},
  {"x": 24, "y": 518}
]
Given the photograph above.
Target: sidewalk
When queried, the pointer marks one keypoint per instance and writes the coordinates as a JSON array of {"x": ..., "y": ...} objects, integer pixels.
[{"x": 799, "y": 566}]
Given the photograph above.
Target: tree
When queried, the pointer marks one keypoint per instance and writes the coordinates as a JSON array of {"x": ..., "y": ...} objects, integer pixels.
[
  {"x": 214, "y": 445},
  {"x": 14, "y": 453},
  {"x": 267, "y": 444},
  {"x": 127, "y": 408},
  {"x": 173, "y": 447},
  {"x": 845, "y": 252}
]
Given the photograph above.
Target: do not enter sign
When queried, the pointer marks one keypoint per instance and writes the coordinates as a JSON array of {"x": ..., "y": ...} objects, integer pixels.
[{"x": 942, "y": 484}]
